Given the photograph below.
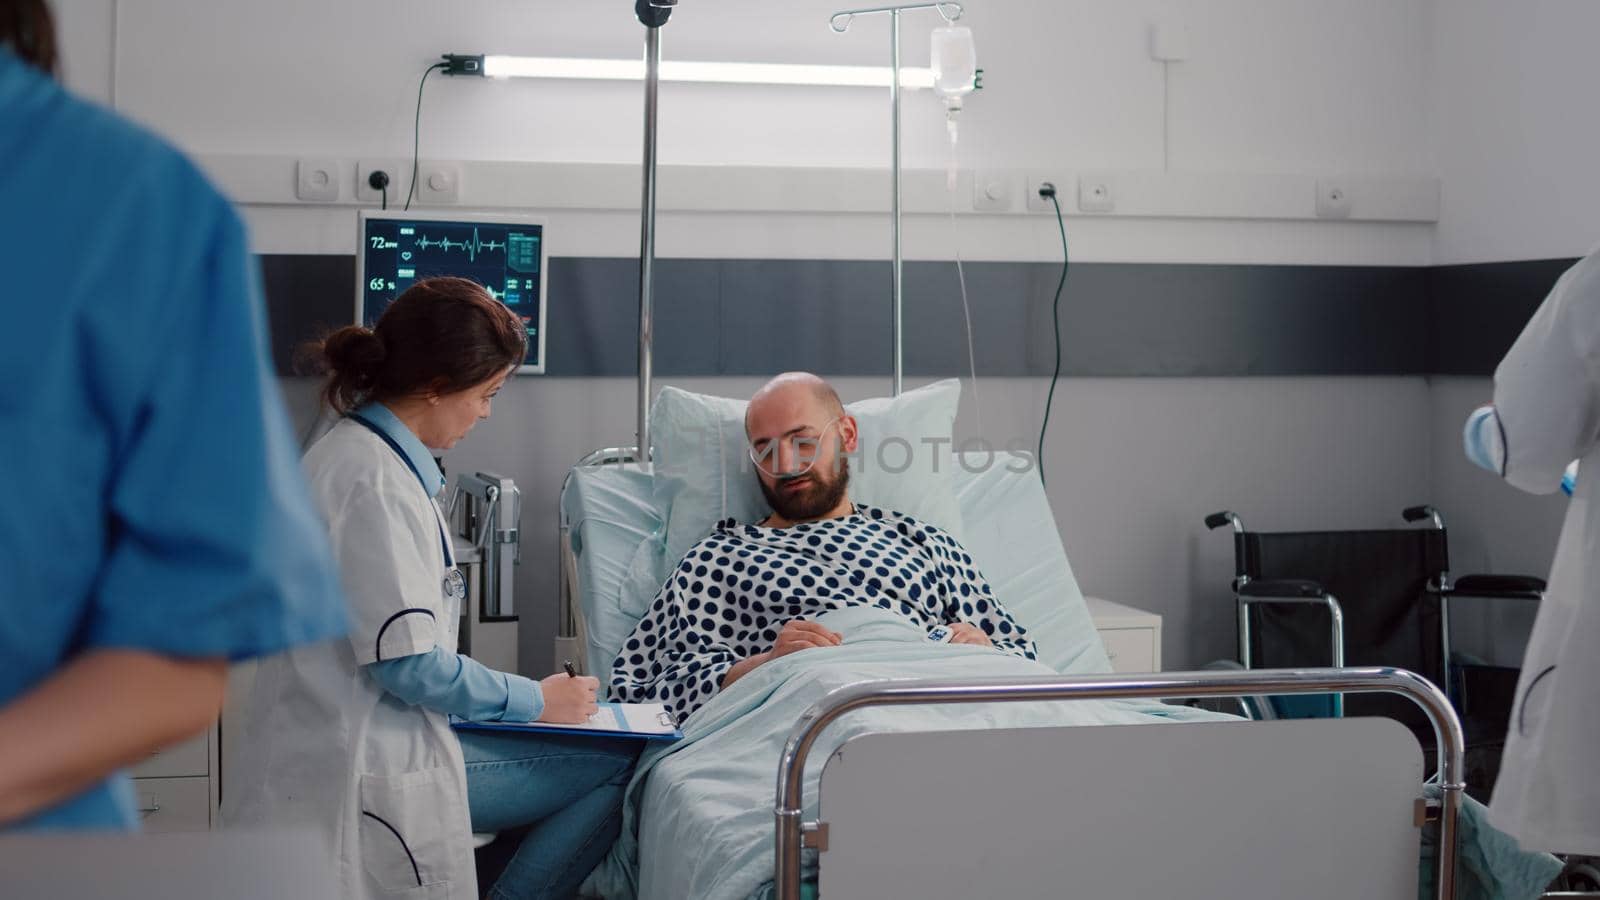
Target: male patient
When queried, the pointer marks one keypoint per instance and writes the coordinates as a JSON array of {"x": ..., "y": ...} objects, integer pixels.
[{"x": 740, "y": 597}]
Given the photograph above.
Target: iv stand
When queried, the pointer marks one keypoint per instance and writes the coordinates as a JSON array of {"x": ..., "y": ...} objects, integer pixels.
[
  {"x": 653, "y": 17},
  {"x": 840, "y": 23}
]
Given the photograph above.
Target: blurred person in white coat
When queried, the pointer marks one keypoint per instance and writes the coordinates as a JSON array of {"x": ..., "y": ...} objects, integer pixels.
[{"x": 1546, "y": 414}]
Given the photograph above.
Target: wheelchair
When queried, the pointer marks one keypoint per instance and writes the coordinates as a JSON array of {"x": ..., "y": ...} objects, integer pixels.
[{"x": 1373, "y": 597}]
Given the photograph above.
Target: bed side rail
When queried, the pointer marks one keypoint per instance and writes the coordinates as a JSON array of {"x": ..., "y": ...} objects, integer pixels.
[
  {"x": 791, "y": 830},
  {"x": 569, "y": 639}
]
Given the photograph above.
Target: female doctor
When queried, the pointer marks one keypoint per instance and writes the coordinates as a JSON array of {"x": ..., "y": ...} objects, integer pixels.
[
  {"x": 354, "y": 735},
  {"x": 1546, "y": 413}
]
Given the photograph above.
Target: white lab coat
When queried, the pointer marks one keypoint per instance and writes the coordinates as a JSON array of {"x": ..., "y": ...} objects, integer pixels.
[
  {"x": 325, "y": 745},
  {"x": 1547, "y": 399}
]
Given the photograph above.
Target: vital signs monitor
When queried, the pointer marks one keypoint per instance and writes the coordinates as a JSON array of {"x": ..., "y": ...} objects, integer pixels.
[{"x": 504, "y": 253}]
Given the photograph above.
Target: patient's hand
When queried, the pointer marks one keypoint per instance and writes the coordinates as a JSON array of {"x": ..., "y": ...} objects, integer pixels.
[
  {"x": 798, "y": 634},
  {"x": 968, "y": 633}
]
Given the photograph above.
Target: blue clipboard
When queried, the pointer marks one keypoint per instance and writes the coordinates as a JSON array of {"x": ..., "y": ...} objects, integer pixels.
[{"x": 622, "y": 729}]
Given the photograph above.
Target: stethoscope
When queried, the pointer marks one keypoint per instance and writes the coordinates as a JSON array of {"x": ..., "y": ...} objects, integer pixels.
[{"x": 455, "y": 584}]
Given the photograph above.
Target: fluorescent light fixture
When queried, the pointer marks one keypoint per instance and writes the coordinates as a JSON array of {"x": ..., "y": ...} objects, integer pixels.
[{"x": 702, "y": 72}]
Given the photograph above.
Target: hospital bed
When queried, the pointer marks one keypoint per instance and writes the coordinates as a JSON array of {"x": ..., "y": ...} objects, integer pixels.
[
  {"x": 1143, "y": 811},
  {"x": 1333, "y": 808}
]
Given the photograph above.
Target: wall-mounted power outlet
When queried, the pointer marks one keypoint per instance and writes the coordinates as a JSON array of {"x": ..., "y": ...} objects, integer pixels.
[
  {"x": 991, "y": 191},
  {"x": 1333, "y": 199},
  {"x": 316, "y": 179},
  {"x": 1039, "y": 203},
  {"x": 399, "y": 172},
  {"x": 1095, "y": 194},
  {"x": 438, "y": 183}
]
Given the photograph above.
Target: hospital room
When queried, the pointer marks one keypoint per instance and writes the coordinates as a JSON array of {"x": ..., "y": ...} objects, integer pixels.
[{"x": 758, "y": 450}]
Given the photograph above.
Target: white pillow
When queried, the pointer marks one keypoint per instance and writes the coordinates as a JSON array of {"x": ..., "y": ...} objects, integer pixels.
[{"x": 704, "y": 474}]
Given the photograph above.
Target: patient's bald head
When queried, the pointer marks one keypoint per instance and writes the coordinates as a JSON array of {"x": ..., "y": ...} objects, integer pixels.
[
  {"x": 793, "y": 391},
  {"x": 799, "y": 433}
]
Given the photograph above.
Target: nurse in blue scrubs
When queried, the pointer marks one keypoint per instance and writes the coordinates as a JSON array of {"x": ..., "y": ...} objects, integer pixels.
[{"x": 155, "y": 524}]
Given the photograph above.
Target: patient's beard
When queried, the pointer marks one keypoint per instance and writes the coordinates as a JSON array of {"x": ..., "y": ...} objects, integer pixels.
[{"x": 813, "y": 501}]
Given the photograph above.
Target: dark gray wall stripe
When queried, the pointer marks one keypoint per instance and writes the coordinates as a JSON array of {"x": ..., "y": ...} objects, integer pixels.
[
  {"x": 307, "y": 296},
  {"x": 755, "y": 317},
  {"x": 1189, "y": 320},
  {"x": 1477, "y": 311}
]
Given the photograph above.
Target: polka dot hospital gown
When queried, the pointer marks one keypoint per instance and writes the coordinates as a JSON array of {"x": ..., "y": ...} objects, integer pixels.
[{"x": 735, "y": 589}]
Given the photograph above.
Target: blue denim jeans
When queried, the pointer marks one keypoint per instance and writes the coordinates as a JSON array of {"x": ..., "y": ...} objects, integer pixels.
[{"x": 569, "y": 788}]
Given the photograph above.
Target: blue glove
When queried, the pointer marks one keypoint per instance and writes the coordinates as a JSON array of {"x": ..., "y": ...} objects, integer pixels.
[{"x": 1481, "y": 441}]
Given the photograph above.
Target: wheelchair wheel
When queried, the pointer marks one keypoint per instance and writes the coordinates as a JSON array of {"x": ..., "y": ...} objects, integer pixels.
[
  {"x": 1584, "y": 876},
  {"x": 1581, "y": 876}
]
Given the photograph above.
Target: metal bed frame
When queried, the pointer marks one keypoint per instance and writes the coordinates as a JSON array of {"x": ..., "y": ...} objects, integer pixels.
[{"x": 792, "y": 833}]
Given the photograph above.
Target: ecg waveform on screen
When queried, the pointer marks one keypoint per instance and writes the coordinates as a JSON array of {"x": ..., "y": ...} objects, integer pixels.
[{"x": 471, "y": 247}]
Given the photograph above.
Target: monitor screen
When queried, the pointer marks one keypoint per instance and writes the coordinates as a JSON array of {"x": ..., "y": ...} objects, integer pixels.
[{"x": 505, "y": 254}]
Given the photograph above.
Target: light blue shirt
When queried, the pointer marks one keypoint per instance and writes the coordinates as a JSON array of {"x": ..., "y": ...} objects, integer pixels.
[
  {"x": 417, "y": 455},
  {"x": 459, "y": 686},
  {"x": 154, "y": 498},
  {"x": 440, "y": 680}
]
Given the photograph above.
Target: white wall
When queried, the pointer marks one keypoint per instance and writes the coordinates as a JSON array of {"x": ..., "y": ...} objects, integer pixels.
[
  {"x": 1270, "y": 87},
  {"x": 86, "y": 29},
  {"x": 1515, "y": 134},
  {"x": 1139, "y": 463}
]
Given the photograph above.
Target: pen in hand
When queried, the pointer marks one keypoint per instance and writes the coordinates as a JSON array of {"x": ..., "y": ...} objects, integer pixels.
[{"x": 571, "y": 672}]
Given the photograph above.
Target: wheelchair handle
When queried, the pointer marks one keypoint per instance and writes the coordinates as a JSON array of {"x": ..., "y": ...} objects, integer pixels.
[
  {"x": 1418, "y": 513},
  {"x": 1218, "y": 519}
]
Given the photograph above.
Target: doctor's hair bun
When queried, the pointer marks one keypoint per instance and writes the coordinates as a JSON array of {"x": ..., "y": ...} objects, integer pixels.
[
  {"x": 353, "y": 358},
  {"x": 440, "y": 337}
]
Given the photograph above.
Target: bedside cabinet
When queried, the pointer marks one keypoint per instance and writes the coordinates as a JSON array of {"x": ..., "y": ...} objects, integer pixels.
[
  {"x": 1132, "y": 637},
  {"x": 176, "y": 788}
]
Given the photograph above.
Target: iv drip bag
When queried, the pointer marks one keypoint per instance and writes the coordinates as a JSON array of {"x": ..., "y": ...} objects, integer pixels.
[{"x": 954, "y": 62}]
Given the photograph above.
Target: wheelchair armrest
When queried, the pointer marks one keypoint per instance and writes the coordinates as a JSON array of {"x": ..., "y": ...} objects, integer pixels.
[
  {"x": 1519, "y": 587},
  {"x": 1283, "y": 588}
]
